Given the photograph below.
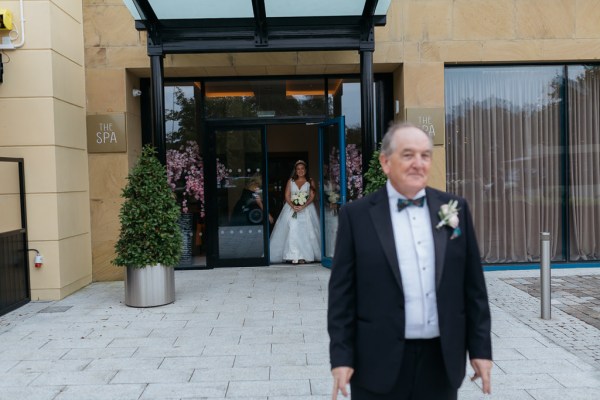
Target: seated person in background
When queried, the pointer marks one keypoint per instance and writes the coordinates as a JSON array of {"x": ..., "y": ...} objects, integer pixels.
[{"x": 249, "y": 208}]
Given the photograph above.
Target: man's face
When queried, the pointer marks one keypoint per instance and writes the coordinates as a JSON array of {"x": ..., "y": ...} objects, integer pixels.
[{"x": 408, "y": 166}]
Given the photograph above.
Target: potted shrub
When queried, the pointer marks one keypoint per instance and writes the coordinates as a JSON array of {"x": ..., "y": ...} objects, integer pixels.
[
  {"x": 374, "y": 177},
  {"x": 149, "y": 243}
]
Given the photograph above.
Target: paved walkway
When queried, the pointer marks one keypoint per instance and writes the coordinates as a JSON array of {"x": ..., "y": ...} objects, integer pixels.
[
  {"x": 259, "y": 333},
  {"x": 578, "y": 296}
]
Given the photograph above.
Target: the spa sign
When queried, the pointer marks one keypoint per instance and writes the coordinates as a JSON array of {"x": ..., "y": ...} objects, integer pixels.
[
  {"x": 106, "y": 133},
  {"x": 431, "y": 120}
]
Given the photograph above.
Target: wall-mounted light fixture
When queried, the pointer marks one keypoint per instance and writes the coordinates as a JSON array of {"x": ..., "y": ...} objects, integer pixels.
[{"x": 6, "y": 25}]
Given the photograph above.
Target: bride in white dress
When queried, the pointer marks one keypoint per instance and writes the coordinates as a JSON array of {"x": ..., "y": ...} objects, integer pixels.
[{"x": 296, "y": 236}]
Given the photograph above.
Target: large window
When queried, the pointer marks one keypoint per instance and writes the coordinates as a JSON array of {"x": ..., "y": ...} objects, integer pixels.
[
  {"x": 265, "y": 98},
  {"x": 344, "y": 100},
  {"x": 584, "y": 162},
  {"x": 290, "y": 106},
  {"x": 185, "y": 167},
  {"x": 522, "y": 145}
]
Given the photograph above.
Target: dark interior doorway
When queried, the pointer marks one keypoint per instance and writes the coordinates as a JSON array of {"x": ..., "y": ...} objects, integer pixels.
[
  {"x": 287, "y": 144},
  {"x": 279, "y": 173}
]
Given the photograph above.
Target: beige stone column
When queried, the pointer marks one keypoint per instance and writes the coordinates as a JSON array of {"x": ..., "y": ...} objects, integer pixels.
[
  {"x": 111, "y": 93},
  {"x": 112, "y": 45},
  {"x": 421, "y": 85},
  {"x": 42, "y": 109}
]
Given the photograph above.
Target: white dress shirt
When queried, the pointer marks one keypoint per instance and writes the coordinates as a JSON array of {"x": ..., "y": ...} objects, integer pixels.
[{"x": 416, "y": 257}]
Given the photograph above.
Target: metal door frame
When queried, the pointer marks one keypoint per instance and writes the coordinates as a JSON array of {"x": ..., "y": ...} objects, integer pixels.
[
  {"x": 14, "y": 252},
  {"x": 340, "y": 122},
  {"x": 212, "y": 252},
  {"x": 211, "y": 125}
]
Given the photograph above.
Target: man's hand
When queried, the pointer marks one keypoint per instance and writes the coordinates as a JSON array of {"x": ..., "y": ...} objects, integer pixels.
[
  {"x": 483, "y": 369},
  {"x": 341, "y": 379}
]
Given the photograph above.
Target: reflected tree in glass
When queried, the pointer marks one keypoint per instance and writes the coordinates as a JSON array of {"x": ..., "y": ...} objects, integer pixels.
[{"x": 180, "y": 116}]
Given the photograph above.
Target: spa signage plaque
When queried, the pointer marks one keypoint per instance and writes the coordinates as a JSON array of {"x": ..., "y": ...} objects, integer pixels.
[
  {"x": 106, "y": 133},
  {"x": 431, "y": 120}
]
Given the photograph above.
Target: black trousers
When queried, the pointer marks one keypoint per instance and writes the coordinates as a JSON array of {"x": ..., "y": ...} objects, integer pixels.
[{"x": 422, "y": 375}]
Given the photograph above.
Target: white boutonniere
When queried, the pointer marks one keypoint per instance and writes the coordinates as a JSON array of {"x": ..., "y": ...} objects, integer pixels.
[{"x": 449, "y": 217}]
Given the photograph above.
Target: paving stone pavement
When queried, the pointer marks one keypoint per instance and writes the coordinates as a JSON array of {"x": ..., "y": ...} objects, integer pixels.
[
  {"x": 578, "y": 296},
  {"x": 260, "y": 333}
]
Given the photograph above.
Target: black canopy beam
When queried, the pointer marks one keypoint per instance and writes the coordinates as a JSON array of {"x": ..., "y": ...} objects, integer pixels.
[
  {"x": 146, "y": 11},
  {"x": 260, "y": 17},
  {"x": 158, "y": 106},
  {"x": 367, "y": 99},
  {"x": 152, "y": 25},
  {"x": 368, "y": 26},
  {"x": 252, "y": 35},
  {"x": 369, "y": 10},
  {"x": 262, "y": 34},
  {"x": 367, "y": 106}
]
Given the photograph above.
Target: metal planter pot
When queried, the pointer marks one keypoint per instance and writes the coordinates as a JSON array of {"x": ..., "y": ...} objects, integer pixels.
[{"x": 151, "y": 286}]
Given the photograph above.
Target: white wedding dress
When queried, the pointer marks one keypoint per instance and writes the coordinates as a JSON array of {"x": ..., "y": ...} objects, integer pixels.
[{"x": 297, "y": 238}]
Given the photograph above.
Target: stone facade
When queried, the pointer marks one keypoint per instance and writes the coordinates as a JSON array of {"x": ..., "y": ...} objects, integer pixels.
[
  {"x": 420, "y": 38},
  {"x": 42, "y": 109},
  {"x": 86, "y": 58}
]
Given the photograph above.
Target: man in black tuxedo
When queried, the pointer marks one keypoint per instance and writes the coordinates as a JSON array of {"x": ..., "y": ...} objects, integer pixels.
[{"x": 407, "y": 296}]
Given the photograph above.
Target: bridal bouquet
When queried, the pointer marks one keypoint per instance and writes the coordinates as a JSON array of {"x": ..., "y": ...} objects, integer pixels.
[
  {"x": 333, "y": 197},
  {"x": 299, "y": 199}
]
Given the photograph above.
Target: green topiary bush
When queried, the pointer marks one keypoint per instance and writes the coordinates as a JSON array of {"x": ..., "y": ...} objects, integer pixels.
[
  {"x": 149, "y": 234},
  {"x": 374, "y": 177}
]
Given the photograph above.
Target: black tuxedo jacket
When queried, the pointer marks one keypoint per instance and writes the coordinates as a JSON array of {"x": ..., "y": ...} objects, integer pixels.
[{"x": 366, "y": 303}]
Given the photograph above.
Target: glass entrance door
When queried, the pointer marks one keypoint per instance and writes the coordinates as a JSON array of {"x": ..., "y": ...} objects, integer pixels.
[
  {"x": 240, "y": 230},
  {"x": 332, "y": 154}
]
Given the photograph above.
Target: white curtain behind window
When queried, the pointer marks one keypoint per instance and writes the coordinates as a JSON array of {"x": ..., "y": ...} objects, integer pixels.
[
  {"x": 503, "y": 129},
  {"x": 584, "y": 162}
]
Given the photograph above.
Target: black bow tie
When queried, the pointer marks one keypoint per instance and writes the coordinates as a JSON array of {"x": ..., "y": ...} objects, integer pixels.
[{"x": 403, "y": 203}]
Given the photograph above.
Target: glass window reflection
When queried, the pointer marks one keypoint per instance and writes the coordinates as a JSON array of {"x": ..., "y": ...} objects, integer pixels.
[
  {"x": 503, "y": 128},
  {"x": 344, "y": 100},
  {"x": 185, "y": 168},
  {"x": 265, "y": 98}
]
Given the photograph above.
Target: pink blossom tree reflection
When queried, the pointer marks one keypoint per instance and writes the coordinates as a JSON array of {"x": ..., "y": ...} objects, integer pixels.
[
  {"x": 185, "y": 175},
  {"x": 354, "y": 182}
]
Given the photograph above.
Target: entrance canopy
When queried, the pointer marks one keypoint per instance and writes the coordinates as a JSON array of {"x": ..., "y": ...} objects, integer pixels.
[
  {"x": 226, "y": 26},
  {"x": 230, "y": 26}
]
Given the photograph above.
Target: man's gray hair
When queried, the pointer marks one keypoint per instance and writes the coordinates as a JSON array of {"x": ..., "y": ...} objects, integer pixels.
[{"x": 388, "y": 144}]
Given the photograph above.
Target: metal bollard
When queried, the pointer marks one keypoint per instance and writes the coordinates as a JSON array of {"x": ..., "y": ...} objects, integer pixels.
[{"x": 545, "y": 274}]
